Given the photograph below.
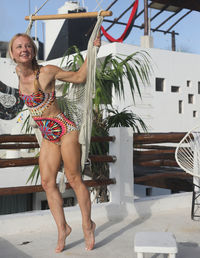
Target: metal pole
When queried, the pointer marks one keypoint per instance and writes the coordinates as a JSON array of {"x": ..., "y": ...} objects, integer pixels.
[
  {"x": 29, "y": 7},
  {"x": 146, "y": 30},
  {"x": 173, "y": 41}
]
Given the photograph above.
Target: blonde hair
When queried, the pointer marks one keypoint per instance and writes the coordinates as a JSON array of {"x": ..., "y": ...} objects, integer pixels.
[{"x": 34, "y": 61}]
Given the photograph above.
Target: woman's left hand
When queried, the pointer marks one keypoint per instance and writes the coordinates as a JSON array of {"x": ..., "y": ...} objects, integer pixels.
[{"x": 97, "y": 41}]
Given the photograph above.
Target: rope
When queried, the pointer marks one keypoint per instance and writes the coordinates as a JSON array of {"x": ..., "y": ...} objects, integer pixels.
[
  {"x": 30, "y": 25},
  {"x": 128, "y": 26},
  {"x": 99, "y": 4},
  {"x": 86, "y": 126},
  {"x": 40, "y": 7},
  {"x": 28, "y": 30}
]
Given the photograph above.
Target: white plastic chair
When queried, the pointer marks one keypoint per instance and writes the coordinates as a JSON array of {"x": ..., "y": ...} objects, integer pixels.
[{"x": 187, "y": 156}]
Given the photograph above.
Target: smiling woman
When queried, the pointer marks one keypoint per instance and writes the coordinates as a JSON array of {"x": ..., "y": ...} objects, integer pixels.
[
  {"x": 60, "y": 135},
  {"x": 22, "y": 48}
]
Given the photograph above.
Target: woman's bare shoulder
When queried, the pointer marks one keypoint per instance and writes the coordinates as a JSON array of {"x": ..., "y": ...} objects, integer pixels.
[{"x": 50, "y": 69}]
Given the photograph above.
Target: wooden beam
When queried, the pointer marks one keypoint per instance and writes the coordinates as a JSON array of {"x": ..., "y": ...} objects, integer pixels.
[
  {"x": 153, "y": 147},
  {"x": 68, "y": 16},
  {"x": 152, "y": 155},
  {"x": 121, "y": 15},
  {"x": 178, "y": 20},
  {"x": 39, "y": 188},
  {"x": 5, "y": 138},
  {"x": 19, "y": 162},
  {"x": 31, "y": 161},
  {"x": 145, "y": 138},
  {"x": 17, "y": 138},
  {"x": 102, "y": 158},
  {"x": 108, "y": 8},
  {"x": 17, "y": 146},
  {"x": 138, "y": 26},
  {"x": 166, "y": 20},
  {"x": 158, "y": 13},
  {"x": 151, "y": 177},
  {"x": 156, "y": 163},
  {"x": 103, "y": 139},
  {"x": 175, "y": 181},
  {"x": 155, "y": 152},
  {"x": 186, "y": 4}
]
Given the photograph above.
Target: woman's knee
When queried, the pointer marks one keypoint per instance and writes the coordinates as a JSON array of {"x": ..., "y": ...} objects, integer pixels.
[
  {"x": 48, "y": 184},
  {"x": 74, "y": 179}
]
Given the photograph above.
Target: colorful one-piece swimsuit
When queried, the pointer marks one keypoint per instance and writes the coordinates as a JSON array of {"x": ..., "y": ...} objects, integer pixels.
[{"x": 52, "y": 128}]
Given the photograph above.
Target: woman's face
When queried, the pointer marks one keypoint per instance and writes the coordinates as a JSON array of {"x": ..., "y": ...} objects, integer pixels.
[{"x": 22, "y": 50}]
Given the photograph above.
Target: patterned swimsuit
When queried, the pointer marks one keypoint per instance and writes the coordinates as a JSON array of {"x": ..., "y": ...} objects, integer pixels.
[{"x": 52, "y": 128}]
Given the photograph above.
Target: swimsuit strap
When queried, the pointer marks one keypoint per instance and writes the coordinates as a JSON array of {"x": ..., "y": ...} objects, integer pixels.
[
  {"x": 37, "y": 74},
  {"x": 36, "y": 81}
]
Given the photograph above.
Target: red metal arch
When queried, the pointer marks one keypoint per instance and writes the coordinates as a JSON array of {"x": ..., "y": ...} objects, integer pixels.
[{"x": 128, "y": 26}]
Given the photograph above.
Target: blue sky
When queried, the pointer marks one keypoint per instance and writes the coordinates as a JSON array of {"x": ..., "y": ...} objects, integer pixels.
[{"x": 12, "y": 13}]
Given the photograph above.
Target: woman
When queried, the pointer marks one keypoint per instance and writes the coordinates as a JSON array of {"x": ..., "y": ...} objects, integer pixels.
[{"x": 60, "y": 135}]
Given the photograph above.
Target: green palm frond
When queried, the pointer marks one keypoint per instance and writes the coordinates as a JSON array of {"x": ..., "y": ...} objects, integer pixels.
[
  {"x": 125, "y": 118},
  {"x": 135, "y": 68},
  {"x": 35, "y": 173}
]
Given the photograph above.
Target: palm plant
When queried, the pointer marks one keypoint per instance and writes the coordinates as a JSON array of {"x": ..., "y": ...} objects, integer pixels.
[
  {"x": 125, "y": 118},
  {"x": 112, "y": 72}
]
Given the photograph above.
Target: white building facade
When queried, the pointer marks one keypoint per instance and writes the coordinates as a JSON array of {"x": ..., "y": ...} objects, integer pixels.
[{"x": 171, "y": 102}]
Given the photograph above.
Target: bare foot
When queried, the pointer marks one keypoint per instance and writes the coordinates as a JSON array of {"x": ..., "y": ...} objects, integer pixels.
[
  {"x": 61, "y": 238},
  {"x": 89, "y": 236}
]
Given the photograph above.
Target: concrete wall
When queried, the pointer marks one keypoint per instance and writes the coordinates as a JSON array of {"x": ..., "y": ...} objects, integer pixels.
[{"x": 160, "y": 109}]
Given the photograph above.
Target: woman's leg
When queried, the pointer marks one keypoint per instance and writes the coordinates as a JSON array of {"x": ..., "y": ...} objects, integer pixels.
[
  {"x": 70, "y": 150},
  {"x": 49, "y": 161}
]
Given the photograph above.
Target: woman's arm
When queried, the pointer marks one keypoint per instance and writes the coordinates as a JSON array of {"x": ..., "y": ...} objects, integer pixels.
[
  {"x": 71, "y": 76},
  {"x": 80, "y": 75}
]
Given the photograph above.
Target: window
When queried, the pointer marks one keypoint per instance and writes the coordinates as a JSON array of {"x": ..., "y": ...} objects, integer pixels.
[
  {"x": 198, "y": 87},
  {"x": 2, "y": 53},
  {"x": 175, "y": 89},
  {"x": 188, "y": 83},
  {"x": 67, "y": 202},
  {"x": 180, "y": 107},
  {"x": 159, "y": 84},
  {"x": 194, "y": 113},
  {"x": 148, "y": 191},
  {"x": 190, "y": 98},
  {"x": 15, "y": 203}
]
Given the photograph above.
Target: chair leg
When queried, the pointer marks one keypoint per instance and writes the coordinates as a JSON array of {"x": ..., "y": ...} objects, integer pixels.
[
  {"x": 195, "y": 196},
  {"x": 193, "y": 201}
]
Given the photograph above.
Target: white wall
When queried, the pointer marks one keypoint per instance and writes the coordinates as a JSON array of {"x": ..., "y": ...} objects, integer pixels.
[{"x": 160, "y": 109}]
